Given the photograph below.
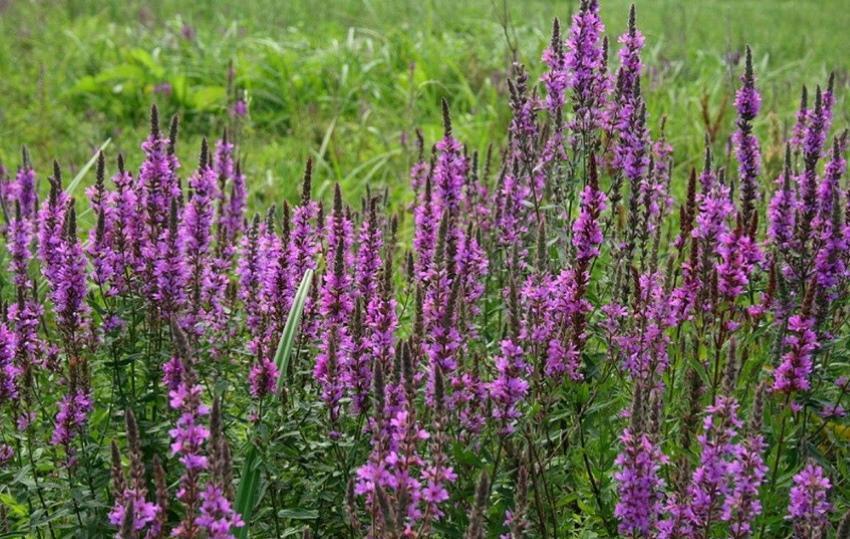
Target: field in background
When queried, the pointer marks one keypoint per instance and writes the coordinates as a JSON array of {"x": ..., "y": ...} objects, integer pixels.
[{"x": 348, "y": 81}]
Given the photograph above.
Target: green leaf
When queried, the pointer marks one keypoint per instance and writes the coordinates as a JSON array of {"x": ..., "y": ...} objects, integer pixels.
[
  {"x": 248, "y": 493},
  {"x": 299, "y": 514},
  {"x": 83, "y": 171},
  {"x": 287, "y": 339}
]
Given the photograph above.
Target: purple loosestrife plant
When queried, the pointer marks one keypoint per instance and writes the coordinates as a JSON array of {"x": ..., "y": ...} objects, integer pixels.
[
  {"x": 51, "y": 220},
  {"x": 249, "y": 271},
  {"x": 446, "y": 394},
  {"x": 555, "y": 78},
  {"x": 195, "y": 239},
  {"x": 748, "y": 104},
  {"x": 132, "y": 494},
  {"x": 370, "y": 242},
  {"x": 510, "y": 387},
  {"x": 189, "y": 434},
  {"x": 24, "y": 187},
  {"x": 101, "y": 242},
  {"x": 585, "y": 69},
  {"x": 799, "y": 345},
  {"x": 169, "y": 269},
  {"x": 782, "y": 210},
  {"x": 127, "y": 228},
  {"x": 742, "y": 505},
  {"x": 808, "y": 506},
  {"x": 68, "y": 294},
  {"x": 639, "y": 483},
  {"x": 9, "y": 371},
  {"x": 333, "y": 369}
]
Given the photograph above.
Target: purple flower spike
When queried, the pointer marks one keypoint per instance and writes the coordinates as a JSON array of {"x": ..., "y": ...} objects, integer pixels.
[
  {"x": 808, "y": 507},
  {"x": 748, "y": 103}
]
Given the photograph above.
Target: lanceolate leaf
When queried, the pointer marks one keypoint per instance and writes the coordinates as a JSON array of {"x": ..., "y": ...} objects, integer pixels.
[
  {"x": 287, "y": 339},
  {"x": 83, "y": 171}
]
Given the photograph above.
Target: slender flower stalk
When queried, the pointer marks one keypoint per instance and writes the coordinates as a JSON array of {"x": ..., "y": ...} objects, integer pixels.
[
  {"x": 195, "y": 240},
  {"x": 747, "y": 103}
]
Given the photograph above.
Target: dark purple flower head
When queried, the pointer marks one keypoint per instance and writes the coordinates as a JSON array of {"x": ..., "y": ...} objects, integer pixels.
[
  {"x": 510, "y": 386},
  {"x": 51, "y": 220},
  {"x": 20, "y": 247},
  {"x": 630, "y": 64},
  {"x": 587, "y": 232},
  {"x": 584, "y": 62},
  {"x": 450, "y": 169},
  {"x": 639, "y": 483},
  {"x": 9, "y": 371},
  {"x": 100, "y": 246},
  {"x": 195, "y": 236},
  {"x": 24, "y": 187},
  {"x": 748, "y": 103},
  {"x": 748, "y": 100},
  {"x": 782, "y": 210},
  {"x": 795, "y": 366},
  {"x": 304, "y": 244},
  {"x": 170, "y": 268},
  {"x": 555, "y": 79},
  {"x": 69, "y": 289},
  {"x": 158, "y": 178}
]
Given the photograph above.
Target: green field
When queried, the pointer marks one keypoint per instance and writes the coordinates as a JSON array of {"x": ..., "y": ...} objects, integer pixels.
[{"x": 348, "y": 81}]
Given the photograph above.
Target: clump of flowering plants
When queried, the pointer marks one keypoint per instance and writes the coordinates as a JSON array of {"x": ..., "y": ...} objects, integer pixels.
[{"x": 545, "y": 343}]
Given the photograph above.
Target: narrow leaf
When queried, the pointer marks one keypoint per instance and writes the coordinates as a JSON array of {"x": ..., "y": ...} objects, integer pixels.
[{"x": 248, "y": 491}]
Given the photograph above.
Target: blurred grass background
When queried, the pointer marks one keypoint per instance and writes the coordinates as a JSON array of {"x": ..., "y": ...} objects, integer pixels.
[{"x": 348, "y": 81}]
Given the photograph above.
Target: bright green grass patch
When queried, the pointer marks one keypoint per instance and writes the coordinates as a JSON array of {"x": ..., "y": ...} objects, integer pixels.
[{"x": 348, "y": 81}]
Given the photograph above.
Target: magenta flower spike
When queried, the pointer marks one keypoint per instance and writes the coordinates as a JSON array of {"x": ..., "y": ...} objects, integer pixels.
[
  {"x": 747, "y": 103},
  {"x": 195, "y": 239},
  {"x": 808, "y": 506}
]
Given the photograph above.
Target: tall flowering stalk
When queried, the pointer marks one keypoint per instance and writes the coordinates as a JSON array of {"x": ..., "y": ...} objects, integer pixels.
[
  {"x": 800, "y": 343},
  {"x": 51, "y": 221},
  {"x": 808, "y": 507},
  {"x": 585, "y": 69},
  {"x": 782, "y": 210},
  {"x": 332, "y": 363},
  {"x": 742, "y": 506},
  {"x": 189, "y": 434},
  {"x": 370, "y": 242},
  {"x": 195, "y": 239},
  {"x": 169, "y": 269},
  {"x": 249, "y": 271},
  {"x": 510, "y": 386},
  {"x": 131, "y": 496},
  {"x": 694, "y": 515},
  {"x": 68, "y": 295},
  {"x": 9, "y": 371},
  {"x": 100, "y": 247},
  {"x": 639, "y": 483},
  {"x": 24, "y": 187},
  {"x": 449, "y": 171},
  {"x": 304, "y": 245},
  {"x": 382, "y": 318},
  {"x": 556, "y": 79},
  {"x": 158, "y": 190},
  {"x": 747, "y": 103}
]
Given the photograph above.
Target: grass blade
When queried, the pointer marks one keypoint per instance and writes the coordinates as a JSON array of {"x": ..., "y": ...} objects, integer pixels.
[
  {"x": 83, "y": 171},
  {"x": 287, "y": 339},
  {"x": 246, "y": 495}
]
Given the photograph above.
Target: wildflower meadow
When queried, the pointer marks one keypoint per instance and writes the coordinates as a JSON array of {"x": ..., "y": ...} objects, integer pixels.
[{"x": 573, "y": 327}]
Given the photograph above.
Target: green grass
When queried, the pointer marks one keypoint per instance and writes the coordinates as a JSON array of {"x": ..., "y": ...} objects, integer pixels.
[{"x": 348, "y": 81}]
